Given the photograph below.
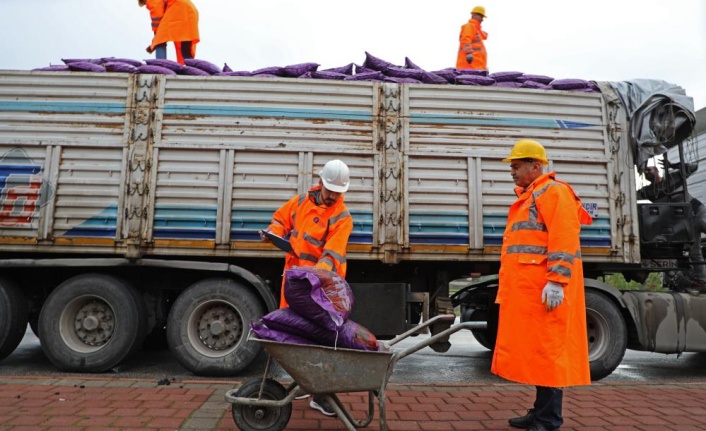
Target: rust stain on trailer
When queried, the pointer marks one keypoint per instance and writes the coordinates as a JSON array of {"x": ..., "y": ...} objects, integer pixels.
[
  {"x": 110, "y": 242},
  {"x": 18, "y": 240},
  {"x": 184, "y": 243}
]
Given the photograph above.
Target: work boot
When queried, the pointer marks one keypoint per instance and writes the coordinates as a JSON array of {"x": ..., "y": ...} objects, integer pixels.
[
  {"x": 523, "y": 421},
  {"x": 536, "y": 426}
]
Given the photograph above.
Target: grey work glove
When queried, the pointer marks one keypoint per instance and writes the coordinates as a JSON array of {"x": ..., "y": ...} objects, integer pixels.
[
  {"x": 552, "y": 295},
  {"x": 469, "y": 58}
]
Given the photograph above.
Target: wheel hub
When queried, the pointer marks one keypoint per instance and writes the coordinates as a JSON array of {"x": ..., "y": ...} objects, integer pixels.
[
  {"x": 219, "y": 328},
  {"x": 94, "y": 323}
]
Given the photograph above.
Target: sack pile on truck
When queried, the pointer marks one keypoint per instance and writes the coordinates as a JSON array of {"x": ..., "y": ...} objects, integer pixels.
[
  {"x": 371, "y": 69},
  {"x": 320, "y": 302}
]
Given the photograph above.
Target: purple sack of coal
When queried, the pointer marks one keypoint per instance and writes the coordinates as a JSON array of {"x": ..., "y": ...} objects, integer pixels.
[
  {"x": 474, "y": 80},
  {"x": 361, "y": 69},
  {"x": 117, "y": 66},
  {"x": 372, "y": 62},
  {"x": 401, "y": 72},
  {"x": 327, "y": 74},
  {"x": 203, "y": 65},
  {"x": 82, "y": 60},
  {"x": 53, "y": 68},
  {"x": 157, "y": 70},
  {"x": 433, "y": 78},
  {"x": 193, "y": 71},
  {"x": 262, "y": 332},
  {"x": 505, "y": 76},
  {"x": 168, "y": 64},
  {"x": 536, "y": 85},
  {"x": 511, "y": 84},
  {"x": 346, "y": 70},
  {"x": 272, "y": 70},
  {"x": 474, "y": 72},
  {"x": 543, "y": 79},
  {"x": 409, "y": 64},
  {"x": 84, "y": 66},
  {"x": 226, "y": 68},
  {"x": 131, "y": 62},
  {"x": 366, "y": 76},
  {"x": 569, "y": 84},
  {"x": 295, "y": 70},
  {"x": 321, "y": 296},
  {"x": 449, "y": 74},
  {"x": 401, "y": 80},
  {"x": 351, "y": 335}
]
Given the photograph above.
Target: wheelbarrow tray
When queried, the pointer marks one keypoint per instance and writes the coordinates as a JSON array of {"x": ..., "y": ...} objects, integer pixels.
[{"x": 322, "y": 369}]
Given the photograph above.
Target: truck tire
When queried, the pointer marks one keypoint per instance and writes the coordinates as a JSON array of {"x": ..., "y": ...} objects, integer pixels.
[
  {"x": 208, "y": 325},
  {"x": 13, "y": 317},
  {"x": 484, "y": 337},
  {"x": 607, "y": 335},
  {"x": 91, "y": 323}
]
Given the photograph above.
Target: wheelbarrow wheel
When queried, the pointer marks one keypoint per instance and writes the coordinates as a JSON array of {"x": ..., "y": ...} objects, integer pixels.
[{"x": 256, "y": 418}]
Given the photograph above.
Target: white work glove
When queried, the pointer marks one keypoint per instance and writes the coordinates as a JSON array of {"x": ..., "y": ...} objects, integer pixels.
[{"x": 552, "y": 295}]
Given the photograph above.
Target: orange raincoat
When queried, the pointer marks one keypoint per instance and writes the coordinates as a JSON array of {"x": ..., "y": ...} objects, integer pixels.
[
  {"x": 471, "y": 41},
  {"x": 541, "y": 244},
  {"x": 180, "y": 23},
  {"x": 156, "y": 8},
  {"x": 318, "y": 234}
]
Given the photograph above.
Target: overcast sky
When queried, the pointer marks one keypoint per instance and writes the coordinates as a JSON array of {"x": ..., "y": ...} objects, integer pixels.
[{"x": 603, "y": 40}]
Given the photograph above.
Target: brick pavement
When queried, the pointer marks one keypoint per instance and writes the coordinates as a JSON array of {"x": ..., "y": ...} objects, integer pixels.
[{"x": 95, "y": 404}]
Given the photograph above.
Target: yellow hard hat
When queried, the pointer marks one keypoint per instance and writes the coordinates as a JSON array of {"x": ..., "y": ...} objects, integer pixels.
[
  {"x": 479, "y": 10},
  {"x": 528, "y": 149}
]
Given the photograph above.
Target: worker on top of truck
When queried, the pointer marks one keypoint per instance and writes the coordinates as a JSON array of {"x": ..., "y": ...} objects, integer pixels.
[
  {"x": 318, "y": 225},
  {"x": 670, "y": 188},
  {"x": 180, "y": 24},
  {"x": 471, "y": 49}
]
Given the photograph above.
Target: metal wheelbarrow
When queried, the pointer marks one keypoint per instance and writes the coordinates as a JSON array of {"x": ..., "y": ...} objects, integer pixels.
[{"x": 263, "y": 404}]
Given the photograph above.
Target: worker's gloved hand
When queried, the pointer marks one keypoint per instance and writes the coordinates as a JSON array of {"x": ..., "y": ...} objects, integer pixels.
[
  {"x": 469, "y": 58},
  {"x": 552, "y": 295},
  {"x": 149, "y": 49}
]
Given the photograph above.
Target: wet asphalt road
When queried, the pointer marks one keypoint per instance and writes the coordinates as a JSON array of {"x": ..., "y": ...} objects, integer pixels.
[{"x": 466, "y": 361}]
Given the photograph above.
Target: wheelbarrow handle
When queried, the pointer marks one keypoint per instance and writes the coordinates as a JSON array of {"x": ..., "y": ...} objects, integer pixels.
[
  {"x": 440, "y": 336},
  {"x": 417, "y": 329}
]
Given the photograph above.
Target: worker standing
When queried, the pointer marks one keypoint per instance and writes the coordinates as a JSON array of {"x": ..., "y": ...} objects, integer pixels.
[
  {"x": 318, "y": 225},
  {"x": 180, "y": 24},
  {"x": 156, "y": 8},
  {"x": 471, "y": 49},
  {"x": 541, "y": 338}
]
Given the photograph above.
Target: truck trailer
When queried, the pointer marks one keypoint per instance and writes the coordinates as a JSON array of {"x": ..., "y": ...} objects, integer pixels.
[{"x": 131, "y": 205}]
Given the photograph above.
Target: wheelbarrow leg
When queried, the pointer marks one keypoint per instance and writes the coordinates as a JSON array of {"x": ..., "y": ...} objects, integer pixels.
[{"x": 345, "y": 417}]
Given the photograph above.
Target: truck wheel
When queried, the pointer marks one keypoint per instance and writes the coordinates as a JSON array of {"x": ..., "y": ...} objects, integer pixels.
[
  {"x": 483, "y": 336},
  {"x": 13, "y": 317},
  {"x": 607, "y": 335},
  {"x": 91, "y": 323},
  {"x": 254, "y": 418},
  {"x": 208, "y": 325}
]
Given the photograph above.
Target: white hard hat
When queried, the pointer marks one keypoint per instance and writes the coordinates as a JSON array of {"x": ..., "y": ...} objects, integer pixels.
[{"x": 336, "y": 176}]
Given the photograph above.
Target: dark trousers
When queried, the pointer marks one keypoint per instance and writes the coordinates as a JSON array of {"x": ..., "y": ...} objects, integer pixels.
[{"x": 547, "y": 407}]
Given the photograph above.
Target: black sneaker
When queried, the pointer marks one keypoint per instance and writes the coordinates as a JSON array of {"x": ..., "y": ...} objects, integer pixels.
[
  {"x": 320, "y": 404},
  {"x": 525, "y": 421}
]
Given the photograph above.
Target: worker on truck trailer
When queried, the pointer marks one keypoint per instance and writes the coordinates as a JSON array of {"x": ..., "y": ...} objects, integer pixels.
[
  {"x": 670, "y": 188},
  {"x": 471, "y": 49},
  {"x": 156, "y": 8},
  {"x": 180, "y": 24},
  {"x": 318, "y": 225},
  {"x": 541, "y": 338}
]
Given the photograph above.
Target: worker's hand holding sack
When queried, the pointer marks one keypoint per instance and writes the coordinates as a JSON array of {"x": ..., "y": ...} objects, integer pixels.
[{"x": 320, "y": 302}]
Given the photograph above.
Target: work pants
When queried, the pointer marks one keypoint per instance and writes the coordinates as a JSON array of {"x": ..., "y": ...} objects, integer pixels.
[{"x": 547, "y": 407}]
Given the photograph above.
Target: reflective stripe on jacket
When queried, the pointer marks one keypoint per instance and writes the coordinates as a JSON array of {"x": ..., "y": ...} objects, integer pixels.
[
  {"x": 540, "y": 244},
  {"x": 471, "y": 41},
  {"x": 156, "y": 8},
  {"x": 180, "y": 23},
  {"x": 318, "y": 234}
]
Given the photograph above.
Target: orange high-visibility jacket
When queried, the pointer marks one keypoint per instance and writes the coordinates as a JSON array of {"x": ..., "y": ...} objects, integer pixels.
[
  {"x": 156, "y": 8},
  {"x": 180, "y": 23},
  {"x": 318, "y": 234},
  {"x": 471, "y": 41},
  {"x": 540, "y": 244}
]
